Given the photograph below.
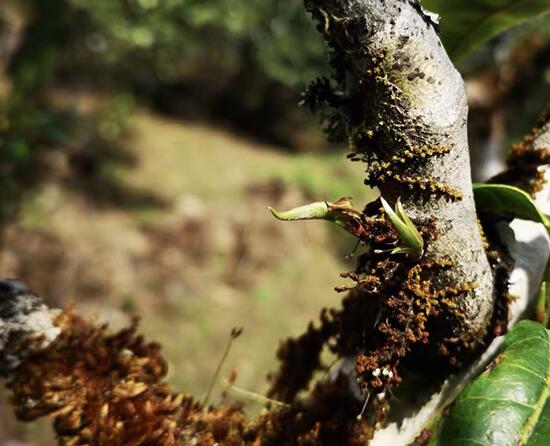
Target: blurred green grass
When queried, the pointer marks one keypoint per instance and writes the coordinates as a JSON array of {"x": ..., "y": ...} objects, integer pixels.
[
  {"x": 217, "y": 165},
  {"x": 209, "y": 259}
]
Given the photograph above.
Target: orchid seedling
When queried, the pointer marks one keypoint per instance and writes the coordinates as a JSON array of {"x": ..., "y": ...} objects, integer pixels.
[{"x": 411, "y": 242}]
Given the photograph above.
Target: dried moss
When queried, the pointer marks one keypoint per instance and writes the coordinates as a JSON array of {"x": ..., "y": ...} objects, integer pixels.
[
  {"x": 524, "y": 166},
  {"x": 107, "y": 389},
  {"x": 394, "y": 309},
  {"x": 99, "y": 388}
]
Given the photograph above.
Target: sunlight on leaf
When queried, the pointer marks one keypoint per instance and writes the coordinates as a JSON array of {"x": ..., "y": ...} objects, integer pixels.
[
  {"x": 508, "y": 404},
  {"x": 340, "y": 212},
  {"x": 509, "y": 200},
  {"x": 312, "y": 211}
]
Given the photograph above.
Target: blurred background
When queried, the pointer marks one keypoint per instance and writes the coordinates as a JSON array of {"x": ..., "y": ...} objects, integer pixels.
[{"x": 140, "y": 143}]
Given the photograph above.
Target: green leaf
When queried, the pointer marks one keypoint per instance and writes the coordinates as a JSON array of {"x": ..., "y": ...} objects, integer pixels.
[
  {"x": 467, "y": 24},
  {"x": 508, "y": 200},
  {"x": 312, "y": 211},
  {"x": 508, "y": 404},
  {"x": 412, "y": 228},
  {"x": 341, "y": 212},
  {"x": 412, "y": 243}
]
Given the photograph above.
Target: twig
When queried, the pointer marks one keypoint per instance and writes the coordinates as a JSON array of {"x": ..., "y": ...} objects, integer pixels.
[
  {"x": 253, "y": 395},
  {"x": 235, "y": 333}
]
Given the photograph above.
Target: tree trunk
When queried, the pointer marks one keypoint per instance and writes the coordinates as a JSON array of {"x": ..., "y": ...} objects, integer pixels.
[{"x": 406, "y": 116}]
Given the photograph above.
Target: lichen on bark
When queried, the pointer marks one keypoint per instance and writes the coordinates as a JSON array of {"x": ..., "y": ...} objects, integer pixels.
[{"x": 398, "y": 100}]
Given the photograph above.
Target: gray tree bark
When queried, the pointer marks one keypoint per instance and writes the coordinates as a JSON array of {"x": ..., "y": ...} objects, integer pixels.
[
  {"x": 412, "y": 133},
  {"x": 529, "y": 245},
  {"x": 26, "y": 325}
]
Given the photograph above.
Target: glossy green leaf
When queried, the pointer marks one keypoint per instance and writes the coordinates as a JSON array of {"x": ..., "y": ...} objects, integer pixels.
[
  {"x": 508, "y": 404},
  {"x": 508, "y": 200},
  {"x": 412, "y": 243},
  {"x": 467, "y": 24}
]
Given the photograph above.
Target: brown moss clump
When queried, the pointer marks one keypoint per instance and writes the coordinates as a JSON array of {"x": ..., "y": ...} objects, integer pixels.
[
  {"x": 106, "y": 389},
  {"x": 502, "y": 264},
  {"x": 423, "y": 438},
  {"x": 100, "y": 389},
  {"x": 225, "y": 425},
  {"x": 327, "y": 418},
  {"x": 524, "y": 164},
  {"x": 396, "y": 307},
  {"x": 299, "y": 359}
]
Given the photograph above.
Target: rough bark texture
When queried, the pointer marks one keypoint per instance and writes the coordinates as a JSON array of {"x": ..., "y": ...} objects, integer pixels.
[
  {"x": 405, "y": 113},
  {"x": 26, "y": 325},
  {"x": 542, "y": 137},
  {"x": 529, "y": 245}
]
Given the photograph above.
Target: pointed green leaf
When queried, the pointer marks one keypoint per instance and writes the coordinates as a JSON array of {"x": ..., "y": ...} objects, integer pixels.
[
  {"x": 397, "y": 223},
  {"x": 508, "y": 200},
  {"x": 341, "y": 212},
  {"x": 411, "y": 241},
  {"x": 467, "y": 24},
  {"x": 403, "y": 215},
  {"x": 508, "y": 404},
  {"x": 312, "y": 211}
]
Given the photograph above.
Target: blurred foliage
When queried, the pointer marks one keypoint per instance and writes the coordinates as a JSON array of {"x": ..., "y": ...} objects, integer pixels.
[
  {"x": 179, "y": 36},
  {"x": 467, "y": 25},
  {"x": 28, "y": 126},
  {"x": 257, "y": 51},
  {"x": 38, "y": 136},
  {"x": 24, "y": 144},
  {"x": 242, "y": 60}
]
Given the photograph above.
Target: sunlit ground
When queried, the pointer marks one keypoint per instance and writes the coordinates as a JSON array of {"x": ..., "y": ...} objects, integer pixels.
[{"x": 198, "y": 255}]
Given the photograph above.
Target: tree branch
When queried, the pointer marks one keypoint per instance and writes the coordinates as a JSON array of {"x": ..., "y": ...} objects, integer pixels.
[
  {"x": 402, "y": 106},
  {"x": 26, "y": 325},
  {"x": 529, "y": 245}
]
